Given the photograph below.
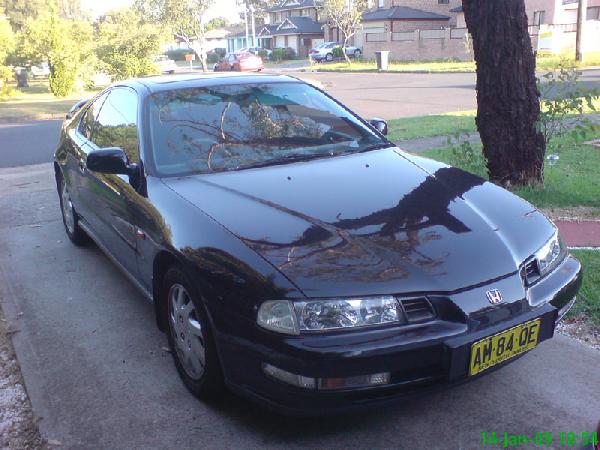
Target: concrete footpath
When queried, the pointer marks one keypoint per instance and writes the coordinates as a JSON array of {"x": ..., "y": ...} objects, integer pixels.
[{"x": 580, "y": 233}]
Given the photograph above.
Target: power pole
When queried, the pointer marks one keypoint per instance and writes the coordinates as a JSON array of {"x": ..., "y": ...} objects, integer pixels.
[
  {"x": 581, "y": 18},
  {"x": 246, "y": 22},
  {"x": 253, "y": 27}
]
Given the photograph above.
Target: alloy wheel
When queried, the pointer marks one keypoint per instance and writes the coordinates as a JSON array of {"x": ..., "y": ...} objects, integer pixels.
[
  {"x": 67, "y": 208},
  {"x": 186, "y": 332}
]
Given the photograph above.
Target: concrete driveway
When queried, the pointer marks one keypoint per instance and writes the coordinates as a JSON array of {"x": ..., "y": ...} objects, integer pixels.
[{"x": 98, "y": 377}]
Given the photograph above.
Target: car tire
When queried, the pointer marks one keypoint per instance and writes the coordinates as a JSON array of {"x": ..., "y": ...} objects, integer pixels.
[
  {"x": 190, "y": 338},
  {"x": 70, "y": 218},
  {"x": 329, "y": 57},
  {"x": 357, "y": 54}
]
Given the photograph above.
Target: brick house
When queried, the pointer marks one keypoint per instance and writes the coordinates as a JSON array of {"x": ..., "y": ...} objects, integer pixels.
[
  {"x": 409, "y": 29},
  {"x": 553, "y": 25},
  {"x": 294, "y": 24},
  {"x": 558, "y": 12}
]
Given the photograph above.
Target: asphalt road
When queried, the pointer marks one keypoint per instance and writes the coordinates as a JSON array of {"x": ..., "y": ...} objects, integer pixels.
[
  {"x": 98, "y": 377},
  {"x": 28, "y": 142},
  {"x": 394, "y": 95}
]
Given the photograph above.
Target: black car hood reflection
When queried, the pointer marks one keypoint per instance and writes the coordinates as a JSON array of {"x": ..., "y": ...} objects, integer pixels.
[{"x": 380, "y": 222}]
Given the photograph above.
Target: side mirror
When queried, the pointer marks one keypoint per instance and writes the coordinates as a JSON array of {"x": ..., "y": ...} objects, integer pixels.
[
  {"x": 110, "y": 160},
  {"x": 75, "y": 108},
  {"x": 380, "y": 125}
]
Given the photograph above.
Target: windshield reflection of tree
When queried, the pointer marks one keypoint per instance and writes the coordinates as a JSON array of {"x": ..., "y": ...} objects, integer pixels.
[
  {"x": 235, "y": 126},
  {"x": 379, "y": 245}
]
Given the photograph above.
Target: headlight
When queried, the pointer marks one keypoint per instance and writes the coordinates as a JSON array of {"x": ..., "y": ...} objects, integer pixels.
[
  {"x": 551, "y": 254},
  {"x": 321, "y": 315}
]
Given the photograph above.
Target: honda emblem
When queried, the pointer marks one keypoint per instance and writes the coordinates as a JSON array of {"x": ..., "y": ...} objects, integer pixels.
[{"x": 494, "y": 296}]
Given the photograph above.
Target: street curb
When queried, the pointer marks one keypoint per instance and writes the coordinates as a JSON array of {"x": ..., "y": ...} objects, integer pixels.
[{"x": 387, "y": 71}]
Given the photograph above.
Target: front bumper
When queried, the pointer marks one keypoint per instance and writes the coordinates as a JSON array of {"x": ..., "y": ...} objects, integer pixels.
[{"x": 420, "y": 358}]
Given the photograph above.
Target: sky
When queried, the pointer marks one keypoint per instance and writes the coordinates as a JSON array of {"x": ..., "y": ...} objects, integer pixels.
[{"x": 221, "y": 8}]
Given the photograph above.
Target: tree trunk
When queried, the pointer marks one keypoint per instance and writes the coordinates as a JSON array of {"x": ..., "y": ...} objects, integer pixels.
[
  {"x": 199, "y": 49},
  {"x": 346, "y": 57},
  {"x": 508, "y": 104}
]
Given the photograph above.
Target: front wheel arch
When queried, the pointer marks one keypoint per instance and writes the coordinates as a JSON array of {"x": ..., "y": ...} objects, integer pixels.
[{"x": 163, "y": 261}]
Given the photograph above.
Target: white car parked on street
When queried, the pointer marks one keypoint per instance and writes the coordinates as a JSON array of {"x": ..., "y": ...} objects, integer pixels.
[{"x": 324, "y": 51}]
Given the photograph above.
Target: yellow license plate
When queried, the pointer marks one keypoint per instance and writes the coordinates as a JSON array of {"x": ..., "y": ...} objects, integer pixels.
[{"x": 502, "y": 346}]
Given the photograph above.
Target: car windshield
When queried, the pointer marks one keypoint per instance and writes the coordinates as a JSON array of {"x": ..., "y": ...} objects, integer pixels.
[{"x": 234, "y": 127}]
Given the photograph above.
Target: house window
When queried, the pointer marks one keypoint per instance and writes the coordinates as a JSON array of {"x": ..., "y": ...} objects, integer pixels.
[
  {"x": 593, "y": 13},
  {"x": 538, "y": 18},
  {"x": 380, "y": 3},
  {"x": 443, "y": 2}
]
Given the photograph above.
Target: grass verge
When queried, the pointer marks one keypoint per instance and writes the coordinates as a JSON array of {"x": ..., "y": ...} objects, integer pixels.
[
  {"x": 429, "y": 126},
  {"x": 588, "y": 299},
  {"x": 573, "y": 181},
  {"x": 37, "y": 101},
  {"x": 398, "y": 66}
]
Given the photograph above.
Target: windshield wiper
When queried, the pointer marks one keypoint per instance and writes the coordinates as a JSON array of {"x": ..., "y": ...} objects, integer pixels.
[
  {"x": 376, "y": 147},
  {"x": 287, "y": 159}
]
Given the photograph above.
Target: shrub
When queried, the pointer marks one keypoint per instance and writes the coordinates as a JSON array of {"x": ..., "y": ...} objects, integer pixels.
[
  {"x": 338, "y": 51},
  {"x": 178, "y": 54},
  {"x": 213, "y": 58},
  {"x": 564, "y": 104},
  {"x": 263, "y": 54},
  {"x": 462, "y": 154},
  {"x": 289, "y": 53},
  {"x": 6, "y": 74},
  {"x": 62, "y": 78},
  {"x": 277, "y": 54}
]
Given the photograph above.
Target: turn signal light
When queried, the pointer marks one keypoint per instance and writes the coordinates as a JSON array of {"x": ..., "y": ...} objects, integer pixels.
[{"x": 326, "y": 384}]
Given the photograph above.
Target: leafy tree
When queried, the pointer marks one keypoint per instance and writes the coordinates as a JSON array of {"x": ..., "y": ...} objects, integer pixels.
[
  {"x": 260, "y": 8},
  {"x": 18, "y": 11},
  {"x": 126, "y": 47},
  {"x": 217, "y": 22},
  {"x": 186, "y": 19},
  {"x": 508, "y": 106},
  {"x": 7, "y": 44},
  {"x": 65, "y": 44},
  {"x": 346, "y": 16}
]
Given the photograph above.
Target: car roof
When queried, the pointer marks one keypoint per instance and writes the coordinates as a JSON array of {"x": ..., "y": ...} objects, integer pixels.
[{"x": 191, "y": 80}]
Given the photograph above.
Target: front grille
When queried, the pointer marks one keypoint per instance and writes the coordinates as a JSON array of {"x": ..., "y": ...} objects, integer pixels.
[
  {"x": 417, "y": 309},
  {"x": 530, "y": 272}
]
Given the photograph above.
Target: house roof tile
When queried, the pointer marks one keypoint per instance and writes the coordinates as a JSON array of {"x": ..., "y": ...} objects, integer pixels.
[{"x": 402, "y": 13}]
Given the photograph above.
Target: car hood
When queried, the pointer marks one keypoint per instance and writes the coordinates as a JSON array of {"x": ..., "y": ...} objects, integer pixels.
[{"x": 380, "y": 222}]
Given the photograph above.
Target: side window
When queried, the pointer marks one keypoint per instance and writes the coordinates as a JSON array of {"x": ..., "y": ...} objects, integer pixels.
[
  {"x": 87, "y": 121},
  {"x": 116, "y": 124}
]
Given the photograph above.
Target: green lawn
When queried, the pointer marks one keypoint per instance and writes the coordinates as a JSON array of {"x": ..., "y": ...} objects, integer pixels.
[
  {"x": 588, "y": 300},
  {"x": 434, "y": 125},
  {"x": 37, "y": 101},
  {"x": 573, "y": 181}
]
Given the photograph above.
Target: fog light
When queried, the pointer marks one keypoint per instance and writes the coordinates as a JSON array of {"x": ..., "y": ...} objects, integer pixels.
[
  {"x": 288, "y": 377},
  {"x": 375, "y": 379},
  {"x": 326, "y": 384}
]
